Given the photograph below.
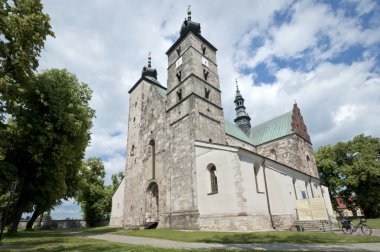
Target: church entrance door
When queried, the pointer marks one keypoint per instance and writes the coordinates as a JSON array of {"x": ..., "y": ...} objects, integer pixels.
[{"x": 151, "y": 209}]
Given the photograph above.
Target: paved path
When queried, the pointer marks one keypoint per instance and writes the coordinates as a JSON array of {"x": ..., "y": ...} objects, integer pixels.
[{"x": 274, "y": 246}]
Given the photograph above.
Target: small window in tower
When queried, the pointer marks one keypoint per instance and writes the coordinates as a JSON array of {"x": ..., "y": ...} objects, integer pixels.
[
  {"x": 133, "y": 150},
  {"x": 179, "y": 51},
  {"x": 178, "y": 74},
  {"x": 210, "y": 140},
  {"x": 203, "y": 49},
  {"x": 179, "y": 94},
  {"x": 213, "y": 179},
  {"x": 135, "y": 104},
  {"x": 134, "y": 119},
  {"x": 152, "y": 149},
  {"x": 207, "y": 93},
  {"x": 205, "y": 73}
]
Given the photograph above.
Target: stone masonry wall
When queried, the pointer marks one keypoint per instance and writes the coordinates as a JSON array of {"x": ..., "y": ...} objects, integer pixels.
[
  {"x": 292, "y": 151},
  {"x": 235, "y": 223},
  {"x": 235, "y": 142},
  {"x": 148, "y": 123}
]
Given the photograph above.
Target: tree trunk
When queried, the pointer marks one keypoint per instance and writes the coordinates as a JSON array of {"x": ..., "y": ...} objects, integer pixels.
[
  {"x": 15, "y": 220},
  {"x": 40, "y": 220},
  {"x": 36, "y": 213}
]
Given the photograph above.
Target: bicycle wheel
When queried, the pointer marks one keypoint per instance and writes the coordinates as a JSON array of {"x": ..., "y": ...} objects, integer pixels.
[
  {"x": 347, "y": 229},
  {"x": 366, "y": 229}
]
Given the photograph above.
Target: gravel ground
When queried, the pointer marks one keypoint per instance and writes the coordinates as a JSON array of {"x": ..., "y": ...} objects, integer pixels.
[{"x": 275, "y": 246}]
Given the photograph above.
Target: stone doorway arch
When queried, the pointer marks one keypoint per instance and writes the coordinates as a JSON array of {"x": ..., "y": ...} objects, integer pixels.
[{"x": 152, "y": 203}]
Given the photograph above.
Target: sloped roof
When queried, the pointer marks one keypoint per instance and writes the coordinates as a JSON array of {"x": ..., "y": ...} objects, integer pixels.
[
  {"x": 233, "y": 130},
  {"x": 161, "y": 91},
  {"x": 273, "y": 129}
]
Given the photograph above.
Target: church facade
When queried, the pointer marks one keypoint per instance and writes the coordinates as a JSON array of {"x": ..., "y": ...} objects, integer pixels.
[{"x": 189, "y": 168}]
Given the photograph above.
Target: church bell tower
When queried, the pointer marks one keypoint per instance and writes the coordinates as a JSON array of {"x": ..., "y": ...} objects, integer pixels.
[
  {"x": 194, "y": 113},
  {"x": 193, "y": 85}
]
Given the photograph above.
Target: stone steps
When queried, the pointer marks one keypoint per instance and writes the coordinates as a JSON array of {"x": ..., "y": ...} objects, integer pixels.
[{"x": 313, "y": 226}]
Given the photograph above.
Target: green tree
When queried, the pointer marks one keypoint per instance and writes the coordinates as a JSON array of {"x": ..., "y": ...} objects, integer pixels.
[
  {"x": 352, "y": 171},
  {"x": 23, "y": 31},
  {"x": 94, "y": 197},
  {"x": 116, "y": 180},
  {"x": 49, "y": 133}
]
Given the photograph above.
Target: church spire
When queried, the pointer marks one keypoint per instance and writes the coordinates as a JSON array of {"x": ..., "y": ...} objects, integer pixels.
[
  {"x": 149, "y": 60},
  {"x": 242, "y": 120},
  {"x": 149, "y": 71}
]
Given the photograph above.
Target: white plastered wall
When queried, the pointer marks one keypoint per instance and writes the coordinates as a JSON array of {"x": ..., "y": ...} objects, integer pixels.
[
  {"x": 281, "y": 192},
  {"x": 225, "y": 161},
  {"x": 118, "y": 206}
]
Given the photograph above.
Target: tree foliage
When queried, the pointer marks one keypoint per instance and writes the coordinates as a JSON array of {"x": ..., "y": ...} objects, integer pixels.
[
  {"x": 23, "y": 31},
  {"x": 92, "y": 194},
  {"x": 351, "y": 170},
  {"x": 49, "y": 132},
  {"x": 94, "y": 197}
]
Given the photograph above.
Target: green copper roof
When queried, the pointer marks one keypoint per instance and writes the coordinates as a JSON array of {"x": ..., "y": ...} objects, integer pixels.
[
  {"x": 233, "y": 130},
  {"x": 272, "y": 129},
  {"x": 265, "y": 132}
]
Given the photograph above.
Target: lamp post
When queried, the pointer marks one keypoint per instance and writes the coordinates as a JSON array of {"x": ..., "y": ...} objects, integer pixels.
[{"x": 13, "y": 189}]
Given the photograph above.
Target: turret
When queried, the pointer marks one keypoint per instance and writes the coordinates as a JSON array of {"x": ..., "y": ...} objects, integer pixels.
[{"x": 242, "y": 120}]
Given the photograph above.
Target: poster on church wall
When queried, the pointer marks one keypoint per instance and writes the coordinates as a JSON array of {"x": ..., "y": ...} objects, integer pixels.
[
  {"x": 318, "y": 209},
  {"x": 311, "y": 209},
  {"x": 304, "y": 210}
]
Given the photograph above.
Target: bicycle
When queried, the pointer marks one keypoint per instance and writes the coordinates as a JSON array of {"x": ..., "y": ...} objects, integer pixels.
[{"x": 348, "y": 228}]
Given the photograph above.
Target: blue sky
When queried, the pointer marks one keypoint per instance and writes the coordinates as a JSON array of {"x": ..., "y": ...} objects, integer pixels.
[{"x": 323, "y": 54}]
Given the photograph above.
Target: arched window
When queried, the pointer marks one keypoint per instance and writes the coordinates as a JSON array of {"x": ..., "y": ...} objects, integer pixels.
[
  {"x": 152, "y": 148},
  {"x": 213, "y": 178}
]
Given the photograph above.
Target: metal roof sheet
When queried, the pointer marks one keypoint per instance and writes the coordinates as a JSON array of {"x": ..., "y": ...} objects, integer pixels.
[
  {"x": 273, "y": 129},
  {"x": 233, "y": 130}
]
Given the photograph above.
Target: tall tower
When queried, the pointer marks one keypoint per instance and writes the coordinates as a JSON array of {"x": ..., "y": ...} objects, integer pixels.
[
  {"x": 194, "y": 111},
  {"x": 193, "y": 84},
  {"x": 242, "y": 120}
]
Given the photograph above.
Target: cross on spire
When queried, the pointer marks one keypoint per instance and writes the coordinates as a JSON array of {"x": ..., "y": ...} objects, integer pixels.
[
  {"x": 188, "y": 13},
  {"x": 149, "y": 60}
]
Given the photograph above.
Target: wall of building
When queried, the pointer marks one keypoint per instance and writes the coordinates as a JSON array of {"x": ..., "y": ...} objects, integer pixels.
[
  {"x": 236, "y": 142},
  {"x": 117, "y": 211},
  {"x": 293, "y": 151},
  {"x": 147, "y": 122}
]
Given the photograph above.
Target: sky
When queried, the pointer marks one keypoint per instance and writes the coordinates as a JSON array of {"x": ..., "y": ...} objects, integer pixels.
[{"x": 325, "y": 55}]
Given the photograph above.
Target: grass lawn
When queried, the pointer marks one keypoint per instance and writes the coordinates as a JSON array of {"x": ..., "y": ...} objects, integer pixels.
[
  {"x": 256, "y": 237},
  {"x": 57, "y": 241}
]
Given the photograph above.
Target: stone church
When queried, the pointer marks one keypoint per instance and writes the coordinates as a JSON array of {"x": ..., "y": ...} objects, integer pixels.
[{"x": 189, "y": 168}]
